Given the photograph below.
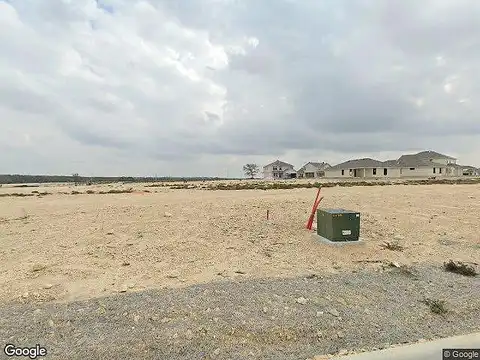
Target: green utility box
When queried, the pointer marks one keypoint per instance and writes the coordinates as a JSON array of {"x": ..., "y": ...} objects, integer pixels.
[{"x": 338, "y": 224}]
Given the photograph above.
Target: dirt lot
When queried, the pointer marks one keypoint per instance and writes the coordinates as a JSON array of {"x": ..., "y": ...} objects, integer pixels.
[{"x": 62, "y": 247}]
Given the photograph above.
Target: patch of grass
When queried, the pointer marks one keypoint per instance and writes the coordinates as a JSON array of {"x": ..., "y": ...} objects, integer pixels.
[
  {"x": 446, "y": 242},
  {"x": 436, "y": 306},
  {"x": 460, "y": 268},
  {"x": 393, "y": 246},
  {"x": 285, "y": 185},
  {"x": 89, "y": 192},
  {"x": 74, "y": 192},
  {"x": 185, "y": 186},
  {"x": 38, "y": 267},
  {"x": 264, "y": 186},
  {"x": 17, "y": 194},
  {"x": 117, "y": 191}
]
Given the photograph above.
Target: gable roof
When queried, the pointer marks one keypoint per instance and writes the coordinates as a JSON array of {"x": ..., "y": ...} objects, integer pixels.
[
  {"x": 429, "y": 154},
  {"x": 357, "y": 163},
  {"x": 415, "y": 161},
  {"x": 466, "y": 167},
  {"x": 278, "y": 163},
  {"x": 318, "y": 165}
]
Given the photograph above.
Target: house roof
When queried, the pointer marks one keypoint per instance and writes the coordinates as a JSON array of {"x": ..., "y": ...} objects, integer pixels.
[
  {"x": 318, "y": 165},
  {"x": 422, "y": 158},
  {"x": 278, "y": 163},
  {"x": 466, "y": 167},
  {"x": 415, "y": 161},
  {"x": 357, "y": 163},
  {"x": 429, "y": 154},
  {"x": 389, "y": 163}
]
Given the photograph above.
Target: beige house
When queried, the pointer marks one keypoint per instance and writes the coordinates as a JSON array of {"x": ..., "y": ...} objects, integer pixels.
[
  {"x": 279, "y": 170},
  {"x": 312, "y": 170},
  {"x": 423, "y": 164},
  {"x": 357, "y": 168}
]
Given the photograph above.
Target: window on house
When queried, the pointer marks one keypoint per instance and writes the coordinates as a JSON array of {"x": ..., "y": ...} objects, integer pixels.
[
  {"x": 440, "y": 170},
  {"x": 434, "y": 170},
  {"x": 350, "y": 171},
  {"x": 412, "y": 168},
  {"x": 279, "y": 168},
  {"x": 343, "y": 172},
  {"x": 374, "y": 171},
  {"x": 274, "y": 168},
  {"x": 385, "y": 171}
]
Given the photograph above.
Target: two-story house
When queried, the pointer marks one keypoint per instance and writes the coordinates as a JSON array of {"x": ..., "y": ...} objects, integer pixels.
[{"x": 279, "y": 170}]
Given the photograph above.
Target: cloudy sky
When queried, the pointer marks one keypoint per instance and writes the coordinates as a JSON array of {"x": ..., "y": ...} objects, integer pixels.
[{"x": 200, "y": 87}]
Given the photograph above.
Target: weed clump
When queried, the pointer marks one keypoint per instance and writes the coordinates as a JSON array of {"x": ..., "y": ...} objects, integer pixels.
[
  {"x": 459, "y": 268},
  {"x": 393, "y": 246},
  {"x": 436, "y": 306}
]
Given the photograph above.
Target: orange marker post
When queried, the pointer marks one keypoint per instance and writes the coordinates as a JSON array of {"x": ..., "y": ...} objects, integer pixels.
[
  {"x": 314, "y": 208},
  {"x": 313, "y": 214}
]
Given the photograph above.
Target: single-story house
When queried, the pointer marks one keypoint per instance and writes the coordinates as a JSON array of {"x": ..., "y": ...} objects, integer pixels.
[
  {"x": 357, "y": 168},
  {"x": 313, "y": 170},
  {"x": 279, "y": 170},
  {"x": 423, "y": 164},
  {"x": 470, "y": 170}
]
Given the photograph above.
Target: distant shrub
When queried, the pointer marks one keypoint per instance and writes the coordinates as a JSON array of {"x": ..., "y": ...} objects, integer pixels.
[
  {"x": 286, "y": 185},
  {"x": 393, "y": 246},
  {"x": 117, "y": 191}
]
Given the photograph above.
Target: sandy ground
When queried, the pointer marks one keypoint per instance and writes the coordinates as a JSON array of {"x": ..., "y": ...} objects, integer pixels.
[{"x": 68, "y": 247}]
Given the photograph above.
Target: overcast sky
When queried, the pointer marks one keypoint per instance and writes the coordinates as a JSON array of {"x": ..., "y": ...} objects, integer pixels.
[{"x": 200, "y": 87}]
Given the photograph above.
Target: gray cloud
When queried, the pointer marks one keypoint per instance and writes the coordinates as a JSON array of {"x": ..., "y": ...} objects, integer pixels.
[{"x": 215, "y": 83}]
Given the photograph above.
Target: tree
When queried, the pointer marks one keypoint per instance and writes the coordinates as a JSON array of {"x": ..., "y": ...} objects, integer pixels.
[
  {"x": 251, "y": 170},
  {"x": 76, "y": 178}
]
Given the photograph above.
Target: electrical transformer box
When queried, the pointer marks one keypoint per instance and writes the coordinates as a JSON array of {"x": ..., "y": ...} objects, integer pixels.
[{"x": 338, "y": 224}]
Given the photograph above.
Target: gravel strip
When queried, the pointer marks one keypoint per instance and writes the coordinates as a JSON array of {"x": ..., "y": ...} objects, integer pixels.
[{"x": 259, "y": 319}]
